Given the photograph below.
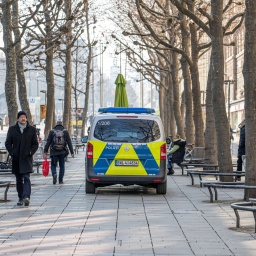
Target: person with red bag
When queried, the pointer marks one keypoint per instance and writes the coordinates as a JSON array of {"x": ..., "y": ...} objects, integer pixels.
[
  {"x": 21, "y": 143},
  {"x": 58, "y": 140}
]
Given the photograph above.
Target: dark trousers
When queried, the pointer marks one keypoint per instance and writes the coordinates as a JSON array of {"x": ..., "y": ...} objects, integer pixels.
[
  {"x": 239, "y": 164},
  {"x": 23, "y": 185},
  {"x": 54, "y": 161}
]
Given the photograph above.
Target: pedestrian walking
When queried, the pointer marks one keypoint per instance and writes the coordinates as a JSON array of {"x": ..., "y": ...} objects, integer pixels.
[
  {"x": 21, "y": 143},
  {"x": 176, "y": 154},
  {"x": 57, "y": 140},
  {"x": 241, "y": 148}
]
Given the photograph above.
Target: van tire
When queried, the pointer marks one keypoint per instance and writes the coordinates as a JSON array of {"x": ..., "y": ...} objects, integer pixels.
[
  {"x": 161, "y": 188},
  {"x": 89, "y": 187}
]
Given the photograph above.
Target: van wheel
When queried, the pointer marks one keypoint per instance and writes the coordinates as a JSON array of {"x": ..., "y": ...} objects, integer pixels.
[
  {"x": 161, "y": 188},
  {"x": 89, "y": 187}
]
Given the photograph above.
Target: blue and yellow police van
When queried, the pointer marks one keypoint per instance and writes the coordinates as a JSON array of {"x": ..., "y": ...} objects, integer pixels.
[{"x": 126, "y": 146}]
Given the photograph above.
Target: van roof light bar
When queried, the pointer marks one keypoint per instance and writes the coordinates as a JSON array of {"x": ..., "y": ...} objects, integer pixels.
[{"x": 127, "y": 110}]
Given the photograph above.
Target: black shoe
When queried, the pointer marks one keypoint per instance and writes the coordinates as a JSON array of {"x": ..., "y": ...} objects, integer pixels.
[
  {"x": 61, "y": 182},
  {"x": 20, "y": 202},
  {"x": 26, "y": 201},
  {"x": 54, "y": 179},
  {"x": 170, "y": 171}
]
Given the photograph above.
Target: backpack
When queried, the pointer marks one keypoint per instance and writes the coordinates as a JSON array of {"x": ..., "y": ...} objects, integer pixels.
[{"x": 58, "y": 142}]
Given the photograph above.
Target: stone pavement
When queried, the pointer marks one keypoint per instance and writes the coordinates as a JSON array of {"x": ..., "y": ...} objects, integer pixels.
[{"x": 63, "y": 220}]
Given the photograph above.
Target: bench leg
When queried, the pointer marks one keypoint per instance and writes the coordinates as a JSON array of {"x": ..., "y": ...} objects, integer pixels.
[
  {"x": 237, "y": 218},
  {"x": 182, "y": 170},
  {"x": 192, "y": 178},
  {"x": 216, "y": 193},
  {"x": 5, "y": 192},
  {"x": 211, "y": 195},
  {"x": 254, "y": 215},
  {"x": 200, "y": 178}
]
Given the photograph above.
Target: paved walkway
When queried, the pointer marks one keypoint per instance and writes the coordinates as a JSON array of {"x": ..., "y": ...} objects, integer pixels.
[{"x": 63, "y": 220}]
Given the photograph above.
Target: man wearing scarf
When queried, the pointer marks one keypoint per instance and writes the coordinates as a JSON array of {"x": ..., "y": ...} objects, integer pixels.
[{"x": 21, "y": 143}]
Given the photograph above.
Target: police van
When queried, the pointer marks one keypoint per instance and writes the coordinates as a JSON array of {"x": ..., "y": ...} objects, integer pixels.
[{"x": 126, "y": 146}]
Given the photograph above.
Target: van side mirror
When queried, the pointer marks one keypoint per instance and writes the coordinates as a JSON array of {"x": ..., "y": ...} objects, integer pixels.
[{"x": 85, "y": 139}]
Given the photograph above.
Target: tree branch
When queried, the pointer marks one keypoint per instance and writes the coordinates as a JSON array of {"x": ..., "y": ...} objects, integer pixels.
[
  {"x": 192, "y": 16},
  {"x": 232, "y": 19},
  {"x": 227, "y": 6},
  {"x": 204, "y": 46},
  {"x": 171, "y": 47}
]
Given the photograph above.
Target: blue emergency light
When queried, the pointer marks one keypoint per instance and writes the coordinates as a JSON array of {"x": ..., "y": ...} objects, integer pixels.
[{"x": 127, "y": 110}]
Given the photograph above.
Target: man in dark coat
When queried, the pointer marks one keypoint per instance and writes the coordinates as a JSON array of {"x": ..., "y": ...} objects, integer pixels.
[
  {"x": 60, "y": 154},
  {"x": 241, "y": 148},
  {"x": 21, "y": 143},
  {"x": 176, "y": 154}
]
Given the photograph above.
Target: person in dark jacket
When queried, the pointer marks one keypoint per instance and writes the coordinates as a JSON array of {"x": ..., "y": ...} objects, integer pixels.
[
  {"x": 241, "y": 148},
  {"x": 21, "y": 143},
  {"x": 176, "y": 154},
  {"x": 58, "y": 155}
]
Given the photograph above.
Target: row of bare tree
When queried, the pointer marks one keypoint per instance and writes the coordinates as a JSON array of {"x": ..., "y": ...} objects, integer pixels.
[
  {"x": 175, "y": 34},
  {"x": 42, "y": 32}
]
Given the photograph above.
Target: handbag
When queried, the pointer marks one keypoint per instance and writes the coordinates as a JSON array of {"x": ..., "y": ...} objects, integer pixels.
[{"x": 45, "y": 167}]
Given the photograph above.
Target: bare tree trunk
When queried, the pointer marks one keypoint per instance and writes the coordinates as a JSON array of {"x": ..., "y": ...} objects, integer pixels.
[
  {"x": 198, "y": 118},
  {"x": 75, "y": 90},
  {"x": 170, "y": 100},
  {"x": 189, "y": 125},
  {"x": 162, "y": 101},
  {"x": 249, "y": 72},
  {"x": 190, "y": 129},
  {"x": 166, "y": 104},
  {"x": 9, "y": 49},
  {"x": 50, "y": 110},
  {"x": 22, "y": 89},
  {"x": 182, "y": 105},
  {"x": 68, "y": 68},
  {"x": 88, "y": 71},
  {"x": 176, "y": 96},
  {"x": 219, "y": 108},
  {"x": 210, "y": 130}
]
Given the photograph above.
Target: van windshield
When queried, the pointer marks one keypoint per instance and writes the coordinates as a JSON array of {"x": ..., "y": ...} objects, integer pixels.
[{"x": 127, "y": 130}]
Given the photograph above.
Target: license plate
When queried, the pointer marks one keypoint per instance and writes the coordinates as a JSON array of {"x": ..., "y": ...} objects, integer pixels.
[{"x": 127, "y": 163}]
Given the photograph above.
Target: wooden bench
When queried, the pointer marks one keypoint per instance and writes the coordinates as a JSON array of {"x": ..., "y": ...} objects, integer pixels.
[
  {"x": 218, "y": 184},
  {"x": 199, "y": 165},
  {"x": 245, "y": 206},
  {"x": 216, "y": 174},
  {"x": 5, "y": 184}
]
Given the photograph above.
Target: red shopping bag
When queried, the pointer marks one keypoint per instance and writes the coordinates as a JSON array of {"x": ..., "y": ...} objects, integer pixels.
[{"x": 45, "y": 167}]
